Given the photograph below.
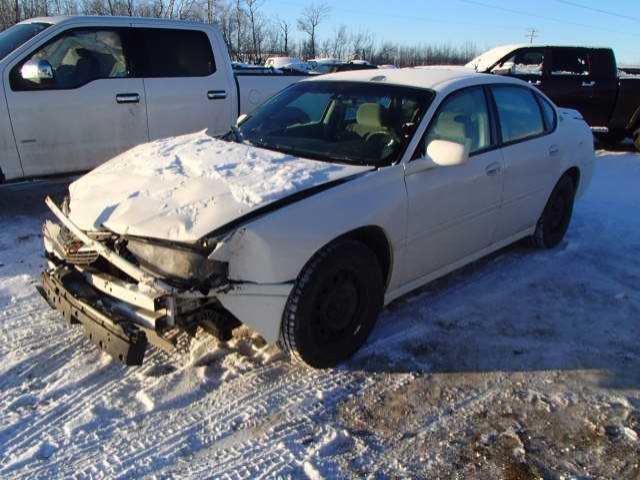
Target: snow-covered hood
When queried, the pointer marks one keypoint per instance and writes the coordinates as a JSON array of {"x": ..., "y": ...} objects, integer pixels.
[{"x": 183, "y": 188}]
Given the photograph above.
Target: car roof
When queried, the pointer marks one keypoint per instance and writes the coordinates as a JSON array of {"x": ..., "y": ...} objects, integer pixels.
[{"x": 432, "y": 78}]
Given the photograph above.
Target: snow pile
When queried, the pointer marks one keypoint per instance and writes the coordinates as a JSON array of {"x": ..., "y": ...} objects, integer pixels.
[{"x": 184, "y": 187}]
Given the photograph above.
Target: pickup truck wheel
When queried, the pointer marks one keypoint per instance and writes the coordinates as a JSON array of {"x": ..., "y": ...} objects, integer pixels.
[
  {"x": 555, "y": 219},
  {"x": 334, "y": 305},
  {"x": 611, "y": 139}
]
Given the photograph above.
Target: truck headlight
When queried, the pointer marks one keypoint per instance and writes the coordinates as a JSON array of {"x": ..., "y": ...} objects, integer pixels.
[{"x": 175, "y": 261}]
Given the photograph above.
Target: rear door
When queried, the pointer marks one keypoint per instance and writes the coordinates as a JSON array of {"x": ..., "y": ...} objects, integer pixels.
[
  {"x": 574, "y": 83},
  {"x": 186, "y": 89},
  {"x": 91, "y": 110},
  {"x": 532, "y": 154}
]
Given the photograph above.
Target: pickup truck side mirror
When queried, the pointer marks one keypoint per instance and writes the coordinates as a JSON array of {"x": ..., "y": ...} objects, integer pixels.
[
  {"x": 241, "y": 119},
  {"x": 440, "y": 153},
  {"x": 37, "y": 71}
]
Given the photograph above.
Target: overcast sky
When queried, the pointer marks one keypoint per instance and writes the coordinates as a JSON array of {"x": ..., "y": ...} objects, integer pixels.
[{"x": 487, "y": 23}]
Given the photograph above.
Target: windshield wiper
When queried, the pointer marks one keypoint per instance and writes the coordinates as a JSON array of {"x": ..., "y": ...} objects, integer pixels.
[{"x": 307, "y": 153}]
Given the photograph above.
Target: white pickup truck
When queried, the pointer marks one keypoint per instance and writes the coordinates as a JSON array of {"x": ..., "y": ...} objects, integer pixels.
[{"x": 80, "y": 90}]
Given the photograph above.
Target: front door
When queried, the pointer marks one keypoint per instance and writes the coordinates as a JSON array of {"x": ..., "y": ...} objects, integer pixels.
[
  {"x": 90, "y": 111},
  {"x": 186, "y": 90},
  {"x": 453, "y": 210}
]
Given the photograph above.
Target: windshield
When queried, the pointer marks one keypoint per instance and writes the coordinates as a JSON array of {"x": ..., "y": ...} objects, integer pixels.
[
  {"x": 15, "y": 36},
  {"x": 347, "y": 122}
]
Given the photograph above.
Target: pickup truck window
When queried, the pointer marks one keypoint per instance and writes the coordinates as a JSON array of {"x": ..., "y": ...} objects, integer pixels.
[
  {"x": 385, "y": 120},
  {"x": 519, "y": 113},
  {"x": 164, "y": 52},
  {"x": 526, "y": 62},
  {"x": 570, "y": 61},
  {"x": 77, "y": 57},
  {"x": 15, "y": 36},
  {"x": 463, "y": 118}
]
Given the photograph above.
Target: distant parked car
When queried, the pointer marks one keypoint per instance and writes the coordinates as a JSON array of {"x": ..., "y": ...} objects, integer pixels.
[
  {"x": 79, "y": 90},
  {"x": 334, "y": 198},
  {"x": 287, "y": 63},
  {"x": 585, "y": 79}
]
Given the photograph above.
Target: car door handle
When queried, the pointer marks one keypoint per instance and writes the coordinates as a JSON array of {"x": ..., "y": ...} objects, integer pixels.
[
  {"x": 216, "y": 94},
  {"x": 554, "y": 150},
  {"x": 127, "y": 98},
  {"x": 589, "y": 84},
  {"x": 493, "y": 169}
]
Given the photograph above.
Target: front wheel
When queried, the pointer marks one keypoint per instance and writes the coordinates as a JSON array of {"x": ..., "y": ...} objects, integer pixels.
[
  {"x": 333, "y": 305},
  {"x": 554, "y": 221}
]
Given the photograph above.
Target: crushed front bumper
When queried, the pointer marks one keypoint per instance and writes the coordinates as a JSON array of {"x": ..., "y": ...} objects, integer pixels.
[{"x": 66, "y": 291}]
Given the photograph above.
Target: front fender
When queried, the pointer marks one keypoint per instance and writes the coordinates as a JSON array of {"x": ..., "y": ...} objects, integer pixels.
[{"x": 274, "y": 248}]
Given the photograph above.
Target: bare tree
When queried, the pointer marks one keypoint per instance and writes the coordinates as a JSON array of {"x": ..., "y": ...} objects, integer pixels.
[
  {"x": 284, "y": 28},
  {"x": 255, "y": 24},
  {"x": 311, "y": 17}
]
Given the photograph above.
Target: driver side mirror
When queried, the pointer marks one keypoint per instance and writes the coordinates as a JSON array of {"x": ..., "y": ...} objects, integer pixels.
[
  {"x": 37, "y": 71},
  {"x": 241, "y": 119},
  {"x": 440, "y": 153}
]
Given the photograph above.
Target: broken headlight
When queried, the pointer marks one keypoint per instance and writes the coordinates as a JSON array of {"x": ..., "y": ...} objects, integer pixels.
[{"x": 174, "y": 261}]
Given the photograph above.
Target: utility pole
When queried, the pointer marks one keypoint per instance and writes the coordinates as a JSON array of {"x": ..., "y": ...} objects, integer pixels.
[{"x": 531, "y": 34}]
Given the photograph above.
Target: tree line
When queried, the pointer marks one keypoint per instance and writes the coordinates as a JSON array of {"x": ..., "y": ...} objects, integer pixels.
[{"x": 251, "y": 34}]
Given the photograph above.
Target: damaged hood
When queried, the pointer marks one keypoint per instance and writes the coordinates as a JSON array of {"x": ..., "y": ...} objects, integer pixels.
[{"x": 183, "y": 188}]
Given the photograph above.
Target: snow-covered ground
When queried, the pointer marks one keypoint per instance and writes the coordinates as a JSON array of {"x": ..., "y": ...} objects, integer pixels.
[{"x": 524, "y": 365}]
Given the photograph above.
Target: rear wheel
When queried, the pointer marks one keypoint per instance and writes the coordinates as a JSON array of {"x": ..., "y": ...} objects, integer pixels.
[
  {"x": 334, "y": 305},
  {"x": 555, "y": 219}
]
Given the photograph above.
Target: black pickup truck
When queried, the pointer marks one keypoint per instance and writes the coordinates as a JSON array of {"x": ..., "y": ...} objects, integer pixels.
[{"x": 585, "y": 79}]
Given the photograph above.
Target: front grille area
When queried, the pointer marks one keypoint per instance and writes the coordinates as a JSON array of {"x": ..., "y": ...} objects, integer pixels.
[{"x": 66, "y": 246}]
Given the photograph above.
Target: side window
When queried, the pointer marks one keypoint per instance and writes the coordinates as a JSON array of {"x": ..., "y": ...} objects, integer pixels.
[
  {"x": 463, "y": 118},
  {"x": 519, "y": 113},
  {"x": 569, "y": 61},
  {"x": 549, "y": 114},
  {"x": 526, "y": 62},
  {"x": 174, "y": 53},
  {"x": 77, "y": 57}
]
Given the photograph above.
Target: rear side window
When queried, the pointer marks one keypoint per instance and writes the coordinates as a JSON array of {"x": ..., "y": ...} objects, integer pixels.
[
  {"x": 570, "y": 61},
  {"x": 549, "y": 114},
  {"x": 173, "y": 53},
  {"x": 519, "y": 113}
]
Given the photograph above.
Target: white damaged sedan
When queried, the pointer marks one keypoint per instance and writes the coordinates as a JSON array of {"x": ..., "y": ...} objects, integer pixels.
[{"x": 336, "y": 197}]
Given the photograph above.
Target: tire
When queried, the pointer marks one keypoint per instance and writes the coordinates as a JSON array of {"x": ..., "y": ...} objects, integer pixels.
[
  {"x": 636, "y": 139},
  {"x": 334, "y": 305},
  {"x": 556, "y": 217},
  {"x": 611, "y": 139}
]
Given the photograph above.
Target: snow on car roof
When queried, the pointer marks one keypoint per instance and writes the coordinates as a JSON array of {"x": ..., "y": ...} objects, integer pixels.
[{"x": 434, "y": 78}]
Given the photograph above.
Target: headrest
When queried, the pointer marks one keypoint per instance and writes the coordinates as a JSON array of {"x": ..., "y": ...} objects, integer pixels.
[{"x": 369, "y": 115}]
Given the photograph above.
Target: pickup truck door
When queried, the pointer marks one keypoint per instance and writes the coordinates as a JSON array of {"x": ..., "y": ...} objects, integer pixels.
[
  {"x": 189, "y": 85},
  {"x": 453, "y": 210},
  {"x": 90, "y": 111},
  {"x": 575, "y": 81}
]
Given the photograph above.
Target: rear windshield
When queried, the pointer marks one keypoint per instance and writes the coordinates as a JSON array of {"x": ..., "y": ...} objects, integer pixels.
[{"x": 15, "y": 36}]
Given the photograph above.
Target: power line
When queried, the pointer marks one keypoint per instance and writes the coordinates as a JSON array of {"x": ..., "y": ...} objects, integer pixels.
[
  {"x": 599, "y": 10},
  {"x": 543, "y": 17},
  {"x": 531, "y": 34}
]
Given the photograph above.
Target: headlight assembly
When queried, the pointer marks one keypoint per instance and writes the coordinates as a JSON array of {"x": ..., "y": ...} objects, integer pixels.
[{"x": 175, "y": 261}]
